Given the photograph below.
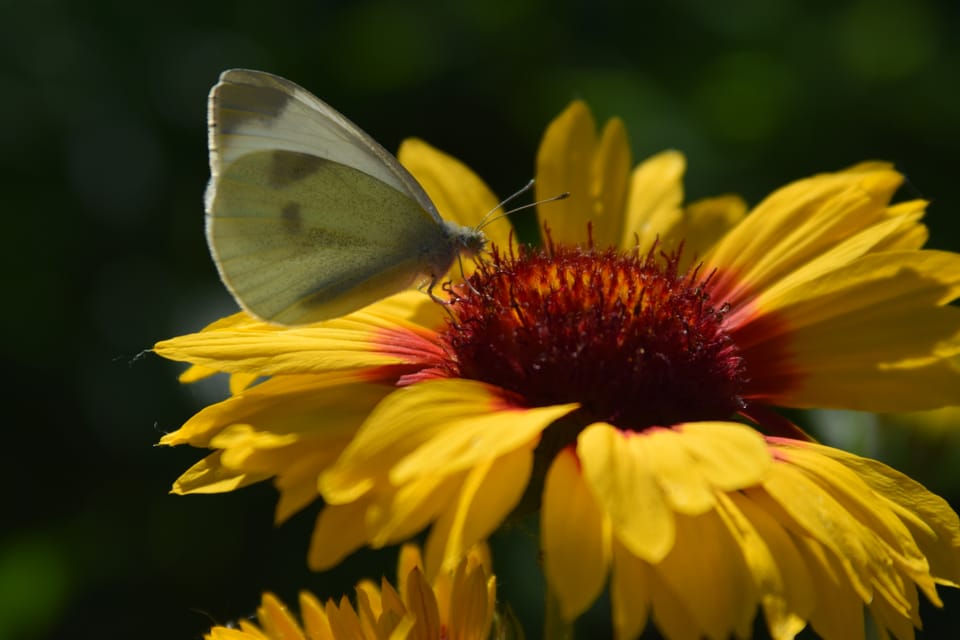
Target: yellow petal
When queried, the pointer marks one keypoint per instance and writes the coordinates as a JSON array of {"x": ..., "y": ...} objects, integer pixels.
[
  {"x": 314, "y": 618},
  {"x": 594, "y": 172},
  {"x": 798, "y": 223},
  {"x": 489, "y": 492},
  {"x": 225, "y": 633},
  {"x": 443, "y": 590},
  {"x": 654, "y": 200},
  {"x": 408, "y": 560},
  {"x": 702, "y": 224},
  {"x": 469, "y": 440},
  {"x": 209, "y": 476},
  {"x": 822, "y": 518},
  {"x": 437, "y": 426},
  {"x": 730, "y": 456},
  {"x": 676, "y": 471},
  {"x": 778, "y": 286},
  {"x": 276, "y": 620},
  {"x": 196, "y": 373},
  {"x": 671, "y": 615},
  {"x": 369, "y": 610},
  {"x": 912, "y": 234},
  {"x": 616, "y": 469},
  {"x": 565, "y": 165},
  {"x": 241, "y": 381},
  {"x": 285, "y": 440},
  {"x": 396, "y": 514},
  {"x": 246, "y": 435},
  {"x": 344, "y": 621},
  {"x": 783, "y": 581},
  {"x": 339, "y": 531},
  {"x": 422, "y": 604},
  {"x": 358, "y": 341},
  {"x": 391, "y": 604},
  {"x": 859, "y": 334},
  {"x": 470, "y": 608},
  {"x": 860, "y": 501},
  {"x": 284, "y": 406},
  {"x": 575, "y": 538},
  {"x": 933, "y": 525},
  {"x": 404, "y": 629},
  {"x": 703, "y": 557},
  {"x": 631, "y": 586},
  {"x": 892, "y": 621},
  {"x": 839, "y": 610},
  {"x": 408, "y": 309},
  {"x": 297, "y": 479},
  {"x": 928, "y": 277},
  {"x": 611, "y": 176}
]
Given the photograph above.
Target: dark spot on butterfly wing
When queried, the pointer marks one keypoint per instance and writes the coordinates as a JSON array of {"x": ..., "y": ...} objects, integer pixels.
[
  {"x": 237, "y": 104},
  {"x": 292, "y": 219},
  {"x": 288, "y": 167}
]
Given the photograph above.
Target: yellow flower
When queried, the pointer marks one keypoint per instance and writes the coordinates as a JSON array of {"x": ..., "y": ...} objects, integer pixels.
[
  {"x": 459, "y": 604},
  {"x": 599, "y": 378}
]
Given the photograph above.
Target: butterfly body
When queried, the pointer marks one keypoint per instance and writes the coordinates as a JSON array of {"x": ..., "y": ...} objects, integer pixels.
[{"x": 308, "y": 218}]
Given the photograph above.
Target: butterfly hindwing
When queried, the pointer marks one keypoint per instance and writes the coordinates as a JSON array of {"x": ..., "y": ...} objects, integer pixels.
[{"x": 313, "y": 239}]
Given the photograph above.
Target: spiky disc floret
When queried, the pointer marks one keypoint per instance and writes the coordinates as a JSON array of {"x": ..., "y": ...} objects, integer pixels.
[{"x": 627, "y": 335}]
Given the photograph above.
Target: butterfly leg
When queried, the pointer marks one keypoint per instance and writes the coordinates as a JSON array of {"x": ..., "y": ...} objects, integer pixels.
[
  {"x": 463, "y": 275},
  {"x": 443, "y": 303}
]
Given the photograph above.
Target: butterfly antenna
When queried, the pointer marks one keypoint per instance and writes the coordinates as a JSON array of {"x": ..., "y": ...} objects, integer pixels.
[
  {"x": 485, "y": 220},
  {"x": 488, "y": 220}
]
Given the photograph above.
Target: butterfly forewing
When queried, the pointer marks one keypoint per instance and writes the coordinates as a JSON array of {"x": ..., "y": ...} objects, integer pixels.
[{"x": 256, "y": 111}]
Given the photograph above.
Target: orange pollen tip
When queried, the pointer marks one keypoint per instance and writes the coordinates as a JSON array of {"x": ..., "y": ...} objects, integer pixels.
[{"x": 629, "y": 337}]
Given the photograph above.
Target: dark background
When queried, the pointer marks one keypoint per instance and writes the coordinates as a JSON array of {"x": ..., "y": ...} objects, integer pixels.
[{"x": 104, "y": 164}]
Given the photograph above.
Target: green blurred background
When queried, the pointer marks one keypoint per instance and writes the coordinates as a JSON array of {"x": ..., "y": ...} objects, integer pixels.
[{"x": 104, "y": 166}]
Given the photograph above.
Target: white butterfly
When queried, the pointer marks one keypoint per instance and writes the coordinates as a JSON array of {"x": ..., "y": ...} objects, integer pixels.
[{"x": 308, "y": 218}]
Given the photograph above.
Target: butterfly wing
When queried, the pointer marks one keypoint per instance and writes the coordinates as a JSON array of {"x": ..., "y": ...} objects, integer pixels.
[
  {"x": 307, "y": 217},
  {"x": 299, "y": 239},
  {"x": 257, "y": 111}
]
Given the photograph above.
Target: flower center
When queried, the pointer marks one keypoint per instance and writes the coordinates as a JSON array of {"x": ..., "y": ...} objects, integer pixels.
[{"x": 629, "y": 337}]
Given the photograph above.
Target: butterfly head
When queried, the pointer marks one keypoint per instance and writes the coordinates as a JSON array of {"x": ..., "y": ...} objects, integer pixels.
[{"x": 467, "y": 241}]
